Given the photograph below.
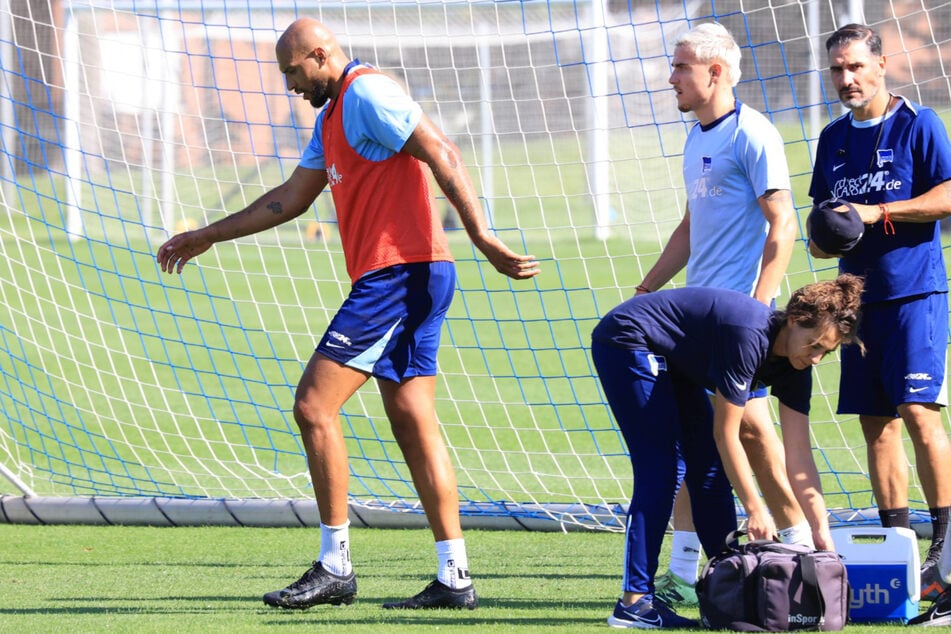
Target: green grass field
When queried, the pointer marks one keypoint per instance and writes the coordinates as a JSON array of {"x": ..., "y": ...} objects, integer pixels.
[{"x": 135, "y": 579}]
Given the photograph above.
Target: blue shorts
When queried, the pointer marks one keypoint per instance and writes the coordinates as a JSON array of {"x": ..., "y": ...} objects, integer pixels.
[
  {"x": 906, "y": 342},
  {"x": 389, "y": 326}
]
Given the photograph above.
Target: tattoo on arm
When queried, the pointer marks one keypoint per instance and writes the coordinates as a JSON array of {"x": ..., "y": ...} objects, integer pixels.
[
  {"x": 450, "y": 189},
  {"x": 449, "y": 156},
  {"x": 276, "y": 207}
]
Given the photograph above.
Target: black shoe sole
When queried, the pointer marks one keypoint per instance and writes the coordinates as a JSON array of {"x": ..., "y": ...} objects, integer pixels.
[
  {"x": 437, "y": 596},
  {"x": 343, "y": 600},
  {"x": 406, "y": 605}
]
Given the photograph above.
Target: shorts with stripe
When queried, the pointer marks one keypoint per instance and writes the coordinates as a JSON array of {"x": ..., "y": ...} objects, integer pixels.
[{"x": 390, "y": 324}]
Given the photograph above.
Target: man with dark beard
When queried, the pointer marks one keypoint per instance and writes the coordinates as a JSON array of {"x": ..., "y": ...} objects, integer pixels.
[
  {"x": 891, "y": 159},
  {"x": 371, "y": 145}
]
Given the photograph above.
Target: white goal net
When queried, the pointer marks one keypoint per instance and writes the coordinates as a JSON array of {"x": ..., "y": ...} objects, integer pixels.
[{"x": 130, "y": 396}]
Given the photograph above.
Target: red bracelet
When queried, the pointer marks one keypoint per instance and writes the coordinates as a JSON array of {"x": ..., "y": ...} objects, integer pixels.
[
  {"x": 886, "y": 220},
  {"x": 642, "y": 289}
]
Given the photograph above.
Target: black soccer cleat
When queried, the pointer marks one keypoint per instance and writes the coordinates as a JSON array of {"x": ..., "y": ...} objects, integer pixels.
[
  {"x": 316, "y": 587},
  {"x": 438, "y": 595}
]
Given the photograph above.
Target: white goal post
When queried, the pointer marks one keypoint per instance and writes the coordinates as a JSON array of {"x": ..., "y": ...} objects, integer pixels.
[{"x": 133, "y": 397}]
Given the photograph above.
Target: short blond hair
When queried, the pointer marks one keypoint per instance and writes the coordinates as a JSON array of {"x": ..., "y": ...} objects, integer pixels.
[{"x": 712, "y": 42}]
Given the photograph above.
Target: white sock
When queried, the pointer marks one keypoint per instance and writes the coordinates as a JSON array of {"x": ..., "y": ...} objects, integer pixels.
[
  {"x": 685, "y": 555},
  {"x": 453, "y": 563},
  {"x": 335, "y": 549},
  {"x": 798, "y": 534}
]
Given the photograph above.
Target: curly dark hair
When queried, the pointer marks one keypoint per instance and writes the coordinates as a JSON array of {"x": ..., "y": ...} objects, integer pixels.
[{"x": 830, "y": 303}]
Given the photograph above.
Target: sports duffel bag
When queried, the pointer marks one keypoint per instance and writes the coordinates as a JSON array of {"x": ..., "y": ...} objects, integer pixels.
[{"x": 767, "y": 586}]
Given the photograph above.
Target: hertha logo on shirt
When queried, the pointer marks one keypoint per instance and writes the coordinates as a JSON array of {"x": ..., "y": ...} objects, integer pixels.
[{"x": 884, "y": 156}]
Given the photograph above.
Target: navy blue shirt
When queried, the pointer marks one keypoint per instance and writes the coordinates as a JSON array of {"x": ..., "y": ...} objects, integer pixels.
[
  {"x": 720, "y": 339},
  {"x": 897, "y": 157}
]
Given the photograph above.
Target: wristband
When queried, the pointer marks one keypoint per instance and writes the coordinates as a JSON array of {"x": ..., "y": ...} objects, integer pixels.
[{"x": 886, "y": 220}]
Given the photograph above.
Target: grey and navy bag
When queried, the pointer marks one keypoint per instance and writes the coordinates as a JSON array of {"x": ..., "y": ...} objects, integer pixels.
[{"x": 767, "y": 586}]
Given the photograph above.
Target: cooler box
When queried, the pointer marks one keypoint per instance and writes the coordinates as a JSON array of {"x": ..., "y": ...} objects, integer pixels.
[{"x": 882, "y": 565}]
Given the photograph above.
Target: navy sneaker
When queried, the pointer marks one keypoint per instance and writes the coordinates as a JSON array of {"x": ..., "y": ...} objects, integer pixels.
[
  {"x": 316, "y": 587},
  {"x": 647, "y": 614},
  {"x": 938, "y": 614},
  {"x": 438, "y": 595}
]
